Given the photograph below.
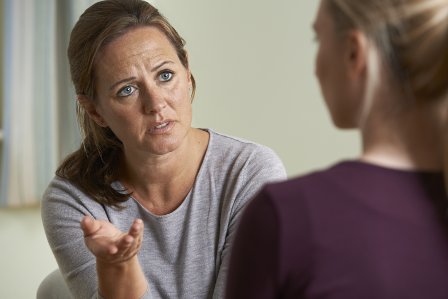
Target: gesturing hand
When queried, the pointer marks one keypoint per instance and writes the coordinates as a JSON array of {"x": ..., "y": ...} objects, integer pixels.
[{"x": 109, "y": 244}]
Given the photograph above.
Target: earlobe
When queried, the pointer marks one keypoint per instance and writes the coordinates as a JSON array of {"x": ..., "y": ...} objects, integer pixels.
[
  {"x": 90, "y": 108},
  {"x": 188, "y": 67},
  {"x": 190, "y": 81}
]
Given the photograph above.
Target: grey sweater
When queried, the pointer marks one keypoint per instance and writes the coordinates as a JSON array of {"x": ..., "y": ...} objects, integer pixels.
[{"x": 185, "y": 253}]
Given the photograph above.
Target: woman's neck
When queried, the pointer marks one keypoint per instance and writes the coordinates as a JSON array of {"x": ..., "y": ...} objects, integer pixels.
[
  {"x": 160, "y": 183},
  {"x": 410, "y": 138}
]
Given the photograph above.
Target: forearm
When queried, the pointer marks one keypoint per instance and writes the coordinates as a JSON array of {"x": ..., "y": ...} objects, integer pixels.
[{"x": 121, "y": 280}]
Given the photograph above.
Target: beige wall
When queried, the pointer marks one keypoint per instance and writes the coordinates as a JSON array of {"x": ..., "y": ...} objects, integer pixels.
[
  {"x": 254, "y": 64},
  {"x": 1, "y": 67},
  {"x": 25, "y": 256},
  {"x": 253, "y": 61}
]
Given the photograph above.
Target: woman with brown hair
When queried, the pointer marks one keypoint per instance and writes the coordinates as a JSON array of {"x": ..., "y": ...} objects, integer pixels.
[
  {"x": 376, "y": 226},
  {"x": 147, "y": 206}
]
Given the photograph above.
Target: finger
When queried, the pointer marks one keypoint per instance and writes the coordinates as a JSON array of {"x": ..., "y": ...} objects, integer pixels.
[
  {"x": 138, "y": 237},
  {"x": 89, "y": 226},
  {"x": 136, "y": 228},
  {"x": 136, "y": 231},
  {"x": 125, "y": 245},
  {"x": 134, "y": 236},
  {"x": 126, "y": 241},
  {"x": 113, "y": 249},
  {"x": 130, "y": 252}
]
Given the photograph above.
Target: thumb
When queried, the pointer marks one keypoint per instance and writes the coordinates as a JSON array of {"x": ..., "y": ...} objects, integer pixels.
[{"x": 89, "y": 226}]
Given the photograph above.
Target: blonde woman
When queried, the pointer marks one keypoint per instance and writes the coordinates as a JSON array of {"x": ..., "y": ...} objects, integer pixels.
[{"x": 375, "y": 226}]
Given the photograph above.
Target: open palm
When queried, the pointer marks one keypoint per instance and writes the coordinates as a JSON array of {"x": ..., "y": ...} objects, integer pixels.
[{"x": 108, "y": 243}]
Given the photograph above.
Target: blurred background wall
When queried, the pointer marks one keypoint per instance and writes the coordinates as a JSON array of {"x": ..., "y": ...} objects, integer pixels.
[{"x": 253, "y": 61}]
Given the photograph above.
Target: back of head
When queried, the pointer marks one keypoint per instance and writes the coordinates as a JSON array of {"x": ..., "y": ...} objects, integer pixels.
[{"x": 411, "y": 36}]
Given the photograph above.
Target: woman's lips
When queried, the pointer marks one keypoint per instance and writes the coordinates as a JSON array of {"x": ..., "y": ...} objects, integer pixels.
[{"x": 161, "y": 127}]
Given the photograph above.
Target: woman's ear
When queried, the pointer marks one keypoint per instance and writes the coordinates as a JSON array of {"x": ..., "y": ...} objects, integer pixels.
[
  {"x": 356, "y": 54},
  {"x": 188, "y": 68},
  {"x": 91, "y": 109}
]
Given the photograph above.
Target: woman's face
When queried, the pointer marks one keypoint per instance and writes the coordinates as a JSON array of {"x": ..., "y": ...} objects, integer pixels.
[
  {"x": 331, "y": 69},
  {"x": 143, "y": 92}
]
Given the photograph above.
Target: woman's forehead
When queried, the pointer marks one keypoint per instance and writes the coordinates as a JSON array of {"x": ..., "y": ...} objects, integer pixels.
[{"x": 143, "y": 44}]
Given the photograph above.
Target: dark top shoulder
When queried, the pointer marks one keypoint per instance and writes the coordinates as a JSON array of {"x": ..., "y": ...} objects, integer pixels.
[{"x": 354, "y": 230}]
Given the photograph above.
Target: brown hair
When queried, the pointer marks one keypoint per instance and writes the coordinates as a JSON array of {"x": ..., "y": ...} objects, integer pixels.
[
  {"x": 94, "y": 166},
  {"x": 411, "y": 36}
]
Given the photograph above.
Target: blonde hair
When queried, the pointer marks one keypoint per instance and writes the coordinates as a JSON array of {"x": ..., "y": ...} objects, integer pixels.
[{"x": 410, "y": 35}]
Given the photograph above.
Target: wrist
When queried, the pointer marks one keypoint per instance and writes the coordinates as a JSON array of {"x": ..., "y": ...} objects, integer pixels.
[{"x": 121, "y": 280}]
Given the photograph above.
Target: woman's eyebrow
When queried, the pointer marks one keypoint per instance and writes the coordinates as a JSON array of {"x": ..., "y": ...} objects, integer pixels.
[
  {"x": 121, "y": 81},
  {"x": 157, "y": 66}
]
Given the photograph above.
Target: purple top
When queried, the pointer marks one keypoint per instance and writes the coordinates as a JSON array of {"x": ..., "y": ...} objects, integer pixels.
[{"x": 355, "y": 231}]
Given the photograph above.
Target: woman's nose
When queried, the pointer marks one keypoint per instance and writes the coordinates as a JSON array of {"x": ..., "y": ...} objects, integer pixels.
[{"x": 153, "y": 100}]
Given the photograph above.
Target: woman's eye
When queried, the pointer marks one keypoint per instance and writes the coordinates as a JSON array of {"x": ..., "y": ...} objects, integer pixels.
[
  {"x": 166, "y": 76},
  {"x": 126, "y": 91}
]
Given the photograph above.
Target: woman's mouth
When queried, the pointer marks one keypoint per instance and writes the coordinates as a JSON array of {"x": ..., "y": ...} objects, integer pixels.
[
  {"x": 161, "y": 125},
  {"x": 161, "y": 128}
]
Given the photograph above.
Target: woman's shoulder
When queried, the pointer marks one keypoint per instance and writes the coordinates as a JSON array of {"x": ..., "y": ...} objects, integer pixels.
[
  {"x": 61, "y": 191},
  {"x": 317, "y": 182},
  {"x": 232, "y": 158},
  {"x": 225, "y": 144},
  {"x": 59, "y": 185},
  {"x": 349, "y": 179},
  {"x": 237, "y": 153}
]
